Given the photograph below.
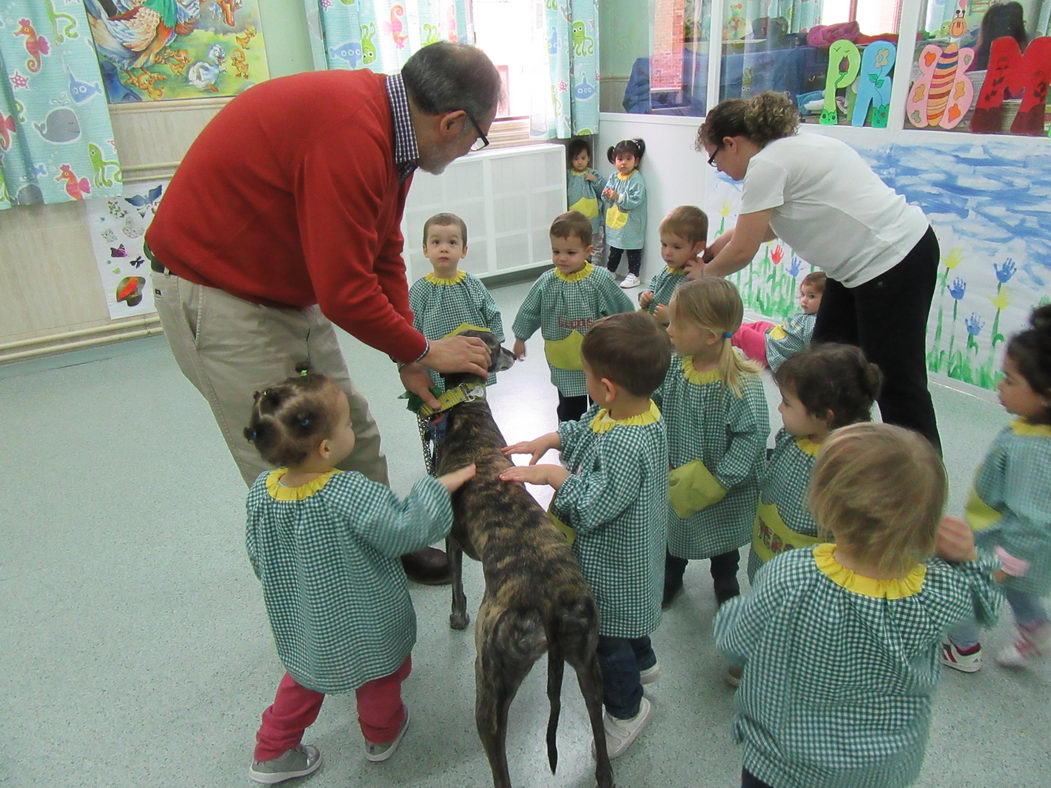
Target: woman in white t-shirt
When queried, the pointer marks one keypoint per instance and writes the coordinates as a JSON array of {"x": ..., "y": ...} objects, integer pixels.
[{"x": 818, "y": 195}]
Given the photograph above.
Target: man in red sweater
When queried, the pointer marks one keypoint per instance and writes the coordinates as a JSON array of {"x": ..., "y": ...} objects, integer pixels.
[{"x": 284, "y": 218}]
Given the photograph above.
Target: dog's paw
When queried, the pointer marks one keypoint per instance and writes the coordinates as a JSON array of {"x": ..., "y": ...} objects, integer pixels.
[{"x": 459, "y": 620}]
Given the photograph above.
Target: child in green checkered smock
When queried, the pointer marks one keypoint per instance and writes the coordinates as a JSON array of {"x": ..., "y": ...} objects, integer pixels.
[
  {"x": 1010, "y": 504},
  {"x": 447, "y": 298},
  {"x": 716, "y": 412},
  {"x": 624, "y": 198},
  {"x": 612, "y": 491},
  {"x": 564, "y": 303},
  {"x": 683, "y": 233},
  {"x": 325, "y": 545},
  {"x": 839, "y": 642},
  {"x": 810, "y": 409},
  {"x": 584, "y": 192},
  {"x": 772, "y": 344}
]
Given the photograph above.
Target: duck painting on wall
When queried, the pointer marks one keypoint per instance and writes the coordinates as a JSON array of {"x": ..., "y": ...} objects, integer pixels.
[{"x": 152, "y": 50}]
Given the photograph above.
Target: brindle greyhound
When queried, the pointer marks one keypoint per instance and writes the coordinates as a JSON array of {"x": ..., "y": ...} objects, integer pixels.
[{"x": 536, "y": 598}]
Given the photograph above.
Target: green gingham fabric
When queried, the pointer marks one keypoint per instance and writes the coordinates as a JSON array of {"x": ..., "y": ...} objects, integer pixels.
[
  {"x": 707, "y": 422},
  {"x": 586, "y": 196},
  {"x": 616, "y": 501},
  {"x": 438, "y": 309},
  {"x": 664, "y": 285},
  {"x": 1015, "y": 480},
  {"x": 837, "y": 684},
  {"x": 631, "y": 199},
  {"x": 784, "y": 485},
  {"x": 798, "y": 329},
  {"x": 333, "y": 584},
  {"x": 558, "y": 306}
]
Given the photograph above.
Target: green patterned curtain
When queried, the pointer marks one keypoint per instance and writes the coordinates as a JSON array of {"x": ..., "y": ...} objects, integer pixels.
[
  {"x": 56, "y": 140},
  {"x": 568, "y": 105},
  {"x": 381, "y": 35}
]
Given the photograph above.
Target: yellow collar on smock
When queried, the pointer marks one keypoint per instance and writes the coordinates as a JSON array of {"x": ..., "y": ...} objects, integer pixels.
[
  {"x": 281, "y": 493},
  {"x": 603, "y": 423},
  {"x": 434, "y": 279},
  {"x": 896, "y": 588},
  {"x": 576, "y": 276}
]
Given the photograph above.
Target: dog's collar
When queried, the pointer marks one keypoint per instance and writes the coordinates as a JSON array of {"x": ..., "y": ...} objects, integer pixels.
[{"x": 448, "y": 399}]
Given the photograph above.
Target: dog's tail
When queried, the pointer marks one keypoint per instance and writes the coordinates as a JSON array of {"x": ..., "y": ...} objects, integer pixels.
[{"x": 555, "y": 665}]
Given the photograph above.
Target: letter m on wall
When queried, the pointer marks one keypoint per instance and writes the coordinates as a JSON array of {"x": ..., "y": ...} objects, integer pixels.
[{"x": 1010, "y": 70}]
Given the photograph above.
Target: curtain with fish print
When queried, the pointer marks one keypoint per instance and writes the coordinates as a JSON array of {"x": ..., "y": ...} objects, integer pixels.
[
  {"x": 568, "y": 104},
  {"x": 381, "y": 35},
  {"x": 56, "y": 140}
]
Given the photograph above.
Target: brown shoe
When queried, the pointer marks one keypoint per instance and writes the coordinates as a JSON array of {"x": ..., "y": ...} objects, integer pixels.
[{"x": 428, "y": 566}]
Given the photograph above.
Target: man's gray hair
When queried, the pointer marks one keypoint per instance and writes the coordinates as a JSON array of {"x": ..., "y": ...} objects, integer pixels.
[{"x": 445, "y": 77}]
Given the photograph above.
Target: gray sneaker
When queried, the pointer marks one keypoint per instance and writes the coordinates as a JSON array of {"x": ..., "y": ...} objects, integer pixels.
[
  {"x": 297, "y": 762},
  {"x": 377, "y": 752}
]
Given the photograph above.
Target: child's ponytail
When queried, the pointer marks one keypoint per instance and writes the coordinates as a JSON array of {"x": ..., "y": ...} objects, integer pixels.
[
  {"x": 714, "y": 304},
  {"x": 1031, "y": 351}
]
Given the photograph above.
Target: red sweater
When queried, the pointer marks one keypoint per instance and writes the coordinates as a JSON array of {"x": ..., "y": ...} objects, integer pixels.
[{"x": 290, "y": 197}]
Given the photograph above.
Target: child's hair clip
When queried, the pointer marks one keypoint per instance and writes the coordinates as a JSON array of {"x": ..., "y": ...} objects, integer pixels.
[
  {"x": 303, "y": 368},
  {"x": 250, "y": 434},
  {"x": 304, "y": 422},
  {"x": 727, "y": 335}
]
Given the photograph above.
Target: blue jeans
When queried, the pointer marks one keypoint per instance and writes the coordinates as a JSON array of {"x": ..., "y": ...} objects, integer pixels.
[
  {"x": 621, "y": 660},
  {"x": 1028, "y": 610}
]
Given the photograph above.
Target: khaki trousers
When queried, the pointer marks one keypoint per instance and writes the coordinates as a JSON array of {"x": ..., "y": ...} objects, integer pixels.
[{"x": 230, "y": 348}]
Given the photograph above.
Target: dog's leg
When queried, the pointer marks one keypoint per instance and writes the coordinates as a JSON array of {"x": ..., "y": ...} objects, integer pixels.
[
  {"x": 589, "y": 676},
  {"x": 458, "y": 618},
  {"x": 497, "y": 678},
  {"x": 555, "y": 665}
]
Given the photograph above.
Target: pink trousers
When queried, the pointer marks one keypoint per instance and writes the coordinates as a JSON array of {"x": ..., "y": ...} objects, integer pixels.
[
  {"x": 751, "y": 338},
  {"x": 380, "y": 712}
]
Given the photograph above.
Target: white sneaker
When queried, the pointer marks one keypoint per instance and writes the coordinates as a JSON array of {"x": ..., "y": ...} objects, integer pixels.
[
  {"x": 1028, "y": 646},
  {"x": 381, "y": 752},
  {"x": 650, "y": 674},
  {"x": 734, "y": 674},
  {"x": 620, "y": 734},
  {"x": 965, "y": 663},
  {"x": 629, "y": 282}
]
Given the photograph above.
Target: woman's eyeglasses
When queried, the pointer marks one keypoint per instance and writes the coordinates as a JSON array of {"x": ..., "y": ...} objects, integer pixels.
[{"x": 711, "y": 159}]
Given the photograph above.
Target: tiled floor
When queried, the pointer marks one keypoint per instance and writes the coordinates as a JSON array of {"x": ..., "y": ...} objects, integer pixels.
[{"x": 136, "y": 651}]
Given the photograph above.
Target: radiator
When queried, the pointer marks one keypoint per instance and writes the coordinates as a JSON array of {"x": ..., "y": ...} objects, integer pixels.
[{"x": 508, "y": 198}]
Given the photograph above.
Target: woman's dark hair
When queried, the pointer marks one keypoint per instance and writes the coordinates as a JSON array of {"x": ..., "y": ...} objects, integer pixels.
[
  {"x": 1031, "y": 351},
  {"x": 575, "y": 147},
  {"x": 290, "y": 418},
  {"x": 835, "y": 378},
  {"x": 445, "y": 77},
  {"x": 1003, "y": 19},
  {"x": 764, "y": 118},
  {"x": 636, "y": 147}
]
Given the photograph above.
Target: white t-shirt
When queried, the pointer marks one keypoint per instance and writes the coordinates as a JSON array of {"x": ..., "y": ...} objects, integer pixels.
[{"x": 831, "y": 208}]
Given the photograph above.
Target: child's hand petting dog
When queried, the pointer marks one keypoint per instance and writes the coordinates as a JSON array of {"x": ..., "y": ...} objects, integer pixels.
[
  {"x": 537, "y": 447},
  {"x": 456, "y": 479},
  {"x": 551, "y": 475}
]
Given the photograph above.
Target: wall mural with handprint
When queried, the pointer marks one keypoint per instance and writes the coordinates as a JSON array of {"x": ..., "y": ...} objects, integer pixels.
[
  {"x": 152, "y": 50},
  {"x": 990, "y": 204}
]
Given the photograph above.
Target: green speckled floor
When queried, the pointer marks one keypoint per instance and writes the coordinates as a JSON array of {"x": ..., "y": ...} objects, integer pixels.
[{"x": 135, "y": 650}]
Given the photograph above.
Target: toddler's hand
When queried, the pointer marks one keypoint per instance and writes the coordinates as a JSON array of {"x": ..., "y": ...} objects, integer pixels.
[
  {"x": 537, "y": 447},
  {"x": 661, "y": 313},
  {"x": 645, "y": 298},
  {"x": 456, "y": 479},
  {"x": 591, "y": 177},
  {"x": 519, "y": 350},
  {"x": 955, "y": 541},
  {"x": 553, "y": 475}
]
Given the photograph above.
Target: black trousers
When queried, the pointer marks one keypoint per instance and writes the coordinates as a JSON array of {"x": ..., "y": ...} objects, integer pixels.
[
  {"x": 887, "y": 318},
  {"x": 634, "y": 260},
  {"x": 571, "y": 408},
  {"x": 749, "y": 780}
]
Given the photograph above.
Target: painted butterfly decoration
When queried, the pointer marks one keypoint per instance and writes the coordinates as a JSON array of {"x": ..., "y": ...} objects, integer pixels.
[
  {"x": 120, "y": 251},
  {"x": 137, "y": 261},
  {"x": 145, "y": 202}
]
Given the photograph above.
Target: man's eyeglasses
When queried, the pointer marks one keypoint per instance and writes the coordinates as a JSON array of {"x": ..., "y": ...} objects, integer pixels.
[
  {"x": 711, "y": 159},
  {"x": 482, "y": 141}
]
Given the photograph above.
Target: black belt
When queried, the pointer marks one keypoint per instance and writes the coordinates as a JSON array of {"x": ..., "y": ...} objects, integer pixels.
[{"x": 155, "y": 264}]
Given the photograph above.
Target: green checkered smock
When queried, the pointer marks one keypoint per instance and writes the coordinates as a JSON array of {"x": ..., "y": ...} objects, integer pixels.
[
  {"x": 707, "y": 422},
  {"x": 786, "y": 339},
  {"x": 615, "y": 501},
  {"x": 440, "y": 306},
  {"x": 1010, "y": 506},
  {"x": 626, "y": 216},
  {"x": 782, "y": 500},
  {"x": 327, "y": 554},
  {"x": 839, "y": 669},
  {"x": 586, "y": 196},
  {"x": 664, "y": 285},
  {"x": 564, "y": 307}
]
